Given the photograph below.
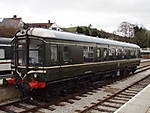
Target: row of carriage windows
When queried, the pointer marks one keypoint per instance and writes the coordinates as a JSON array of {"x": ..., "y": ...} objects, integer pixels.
[
  {"x": 38, "y": 52},
  {"x": 90, "y": 54}
]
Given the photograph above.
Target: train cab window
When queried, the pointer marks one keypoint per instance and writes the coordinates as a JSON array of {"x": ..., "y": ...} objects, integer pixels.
[
  {"x": 36, "y": 52},
  {"x": 53, "y": 51},
  {"x": 2, "y": 53},
  {"x": 33, "y": 58},
  {"x": 66, "y": 55},
  {"x": 21, "y": 53},
  {"x": 88, "y": 54}
]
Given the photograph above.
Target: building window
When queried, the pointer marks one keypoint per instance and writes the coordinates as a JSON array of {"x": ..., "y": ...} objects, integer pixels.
[{"x": 54, "y": 28}]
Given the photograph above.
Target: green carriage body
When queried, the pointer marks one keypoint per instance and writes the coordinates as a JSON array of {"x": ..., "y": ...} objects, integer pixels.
[{"x": 47, "y": 56}]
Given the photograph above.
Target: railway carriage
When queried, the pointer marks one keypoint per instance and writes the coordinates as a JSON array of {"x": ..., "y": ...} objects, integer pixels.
[
  {"x": 145, "y": 54},
  {"x": 45, "y": 58},
  {"x": 5, "y": 55}
]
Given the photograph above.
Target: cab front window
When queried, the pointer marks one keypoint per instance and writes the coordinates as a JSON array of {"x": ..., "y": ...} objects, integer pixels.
[
  {"x": 36, "y": 52},
  {"x": 21, "y": 52},
  {"x": 31, "y": 53}
]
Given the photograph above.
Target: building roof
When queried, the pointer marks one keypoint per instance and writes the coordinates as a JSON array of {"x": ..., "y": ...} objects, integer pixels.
[
  {"x": 14, "y": 18},
  {"x": 18, "y": 19},
  {"x": 9, "y": 26},
  {"x": 40, "y": 25}
]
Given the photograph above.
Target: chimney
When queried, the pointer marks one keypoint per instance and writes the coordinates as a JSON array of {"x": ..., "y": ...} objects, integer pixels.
[
  {"x": 14, "y": 16},
  {"x": 49, "y": 21}
]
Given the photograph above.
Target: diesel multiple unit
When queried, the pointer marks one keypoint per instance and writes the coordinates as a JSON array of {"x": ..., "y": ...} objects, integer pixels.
[
  {"x": 45, "y": 57},
  {"x": 5, "y": 55}
]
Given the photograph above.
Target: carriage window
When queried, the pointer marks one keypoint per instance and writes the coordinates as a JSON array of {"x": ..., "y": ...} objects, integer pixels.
[
  {"x": 118, "y": 53},
  {"x": 53, "y": 50},
  {"x": 33, "y": 57},
  {"x": 36, "y": 51},
  {"x": 125, "y": 53},
  {"x": 128, "y": 53},
  {"x": 88, "y": 54},
  {"x": 66, "y": 54},
  {"x": 137, "y": 53},
  {"x": 112, "y": 53},
  {"x": 21, "y": 52},
  {"x": 85, "y": 52},
  {"x": 9, "y": 53},
  {"x": 21, "y": 57},
  {"x": 98, "y": 52},
  {"x": 105, "y": 52},
  {"x": 132, "y": 53},
  {"x": 2, "y": 53}
]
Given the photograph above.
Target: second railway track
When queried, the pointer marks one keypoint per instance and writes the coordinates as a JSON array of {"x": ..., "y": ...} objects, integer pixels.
[{"x": 111, "y": 103}]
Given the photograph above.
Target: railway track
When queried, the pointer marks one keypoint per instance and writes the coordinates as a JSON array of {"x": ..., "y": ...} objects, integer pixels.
[
  {"x": 144, "y": 63},
  {"x": 25, "y": 106},
  {"x": 111, "y": 103}
]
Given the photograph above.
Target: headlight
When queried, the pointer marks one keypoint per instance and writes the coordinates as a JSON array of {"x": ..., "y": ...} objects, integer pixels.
[{"x": 35, "y": 75}]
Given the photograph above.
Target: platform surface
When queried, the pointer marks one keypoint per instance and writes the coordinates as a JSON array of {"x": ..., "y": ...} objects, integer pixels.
[
  {"x": 8, "y": 92},
  {"x": 138, "y": 104}
]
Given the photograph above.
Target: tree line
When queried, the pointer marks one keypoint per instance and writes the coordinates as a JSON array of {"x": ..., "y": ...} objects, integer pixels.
[{"x": 141, "y": 35}]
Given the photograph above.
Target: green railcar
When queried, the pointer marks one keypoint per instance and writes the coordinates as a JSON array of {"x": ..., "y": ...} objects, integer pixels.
[{"x": 43, "y": 56}]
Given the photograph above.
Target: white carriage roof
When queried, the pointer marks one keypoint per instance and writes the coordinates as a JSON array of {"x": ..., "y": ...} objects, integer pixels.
[
  {"x": 145, "y": 51},
  {"x": 77, "y": 37},
  {"x": 4, "y": 40}
]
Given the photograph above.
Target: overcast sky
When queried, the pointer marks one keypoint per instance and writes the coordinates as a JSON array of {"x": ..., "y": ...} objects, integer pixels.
[{"x": 102, "y": 14}]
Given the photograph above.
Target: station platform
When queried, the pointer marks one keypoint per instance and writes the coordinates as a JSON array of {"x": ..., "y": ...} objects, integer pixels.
[
  {"x": 8, "y": 92},
  {"x": 138, "y": 104}
]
